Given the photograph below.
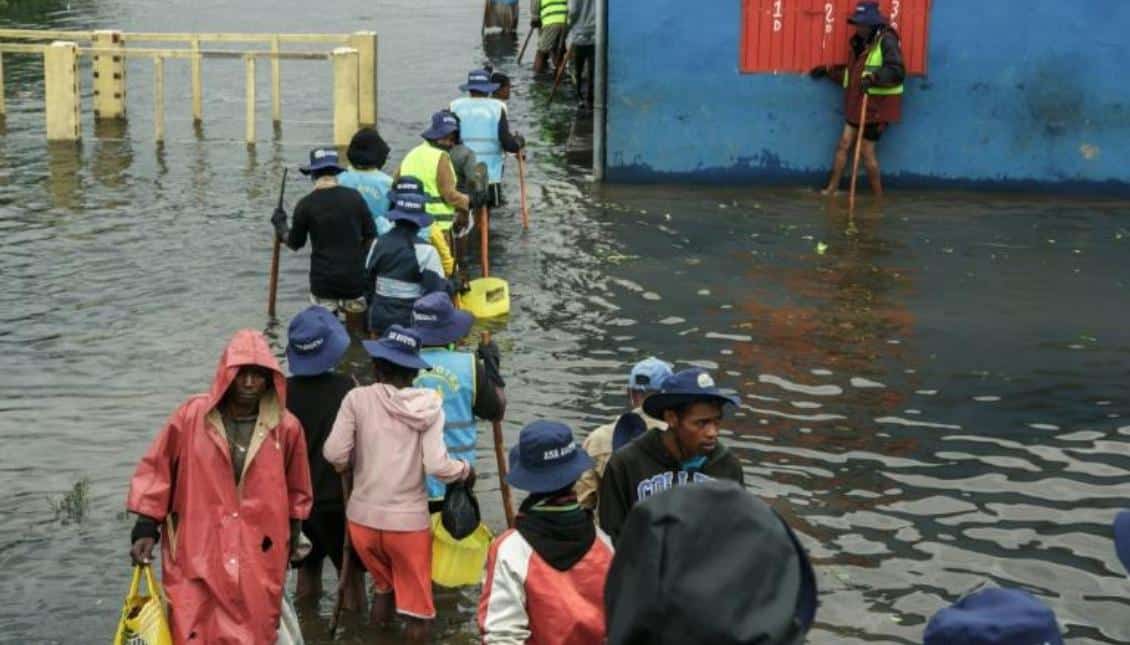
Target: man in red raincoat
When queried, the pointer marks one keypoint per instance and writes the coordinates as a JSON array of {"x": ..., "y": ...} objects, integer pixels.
[{"x": 227, "y": 480}]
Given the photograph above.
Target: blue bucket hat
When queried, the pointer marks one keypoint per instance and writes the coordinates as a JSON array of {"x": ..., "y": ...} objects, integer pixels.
[
  {"x": 410, "y": 208},
  {"x": 687, "y": 386},
  {"x": 444, "y": 123},
  {"x": 438, "y": 322},
  {"x": 322, "y": 159},
  {"x": 648, "y": 375},
  {"x": 867, "y": 14},
  {"x": 408, "y": 185},
  {"x": 1122, "y": 538},
  {"x": 994, "y": 616},
  {"x": 478, "y": 80},
  {"x": 399, "y": 346},
  {"x": 546, "y": 458},
  {"x": 316, "y": 341}
]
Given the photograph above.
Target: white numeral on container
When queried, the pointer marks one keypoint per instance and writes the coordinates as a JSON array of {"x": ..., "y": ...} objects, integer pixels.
[
  {"x": 829, "y": 8},
  {"x": 778, "y": 14}
]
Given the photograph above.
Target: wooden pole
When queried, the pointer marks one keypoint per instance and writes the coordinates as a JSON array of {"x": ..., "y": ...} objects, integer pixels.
[
  {"x": 500, "y": 458},
  {"x": 249, "y": 64},
  {"x": 346, "y": 561},
  {"x": 62, "y": 96},
  {"x": 560, "y": 74},
  {"x": 524, "y": 45},
  {"x": 365, "y": 42},
  {"x": 273, "y": 284},
  {"x": 522, "y": 188},
  {"x": 347, "y": 113},
  {"x": 197, "y": 83},
  {"x": 276, "y": 82},
  {"x": 855, "y": 161},
  {"x": 159, "y": 98},
  {"x": 484, "y": 240}
]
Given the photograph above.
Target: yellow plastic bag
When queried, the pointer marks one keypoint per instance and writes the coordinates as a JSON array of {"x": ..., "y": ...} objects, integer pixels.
[
  {"x": 458, "y": 563},
  {"x": 143, "y": 617}
]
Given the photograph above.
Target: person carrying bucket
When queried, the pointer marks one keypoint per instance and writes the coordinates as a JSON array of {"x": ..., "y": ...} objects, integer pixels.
[
  {"x": 545, "y": 577},
  {"x": 485, "y": 128},
  {"x": 340, "y": 228},
  {"x": 876, "y": 70},
  {"x": 401, "y": 268},
  {"x": 644, "y": 380},
  {"x": 470, "y": 384},
  {"x": 687, "y": 452},
  {"x": 316, "y": 343},
  {"x": 389, "y": 435},
  {"x": 224, "y": 487},
  {"x": 431, "y": 164}
]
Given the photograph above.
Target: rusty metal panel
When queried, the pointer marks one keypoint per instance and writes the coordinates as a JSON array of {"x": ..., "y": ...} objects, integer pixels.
[{"x": 792, "y": 36}]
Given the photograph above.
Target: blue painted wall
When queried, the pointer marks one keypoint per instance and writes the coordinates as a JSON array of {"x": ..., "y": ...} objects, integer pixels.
[{"x": 1019, "y": 95}]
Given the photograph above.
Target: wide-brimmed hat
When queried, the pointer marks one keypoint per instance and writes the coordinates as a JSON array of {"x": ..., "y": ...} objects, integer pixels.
[
  {"x": 547, "y": 458},
  {"x": 316, "y": 341},
  {"x": 399, "y": 346},
  {"x": 994, "y": 616},
  {"x": 444, "y": 123},
  {"x": 407, "y": 185},
  {"x": 708, "y": 549},
  {"x": 410, "y": 208},
  {"x": 479, "y": 80},
  {"x": 867, "y": 14},
  {"x": 1122, "y": 538},
  {"x": 438, "y": 322},
  {"x": 322, "y": 159},
  {"x": 367, "y": 149},
  {"x": 648, "y": 375},
  {"x": 688, "y": 386}
]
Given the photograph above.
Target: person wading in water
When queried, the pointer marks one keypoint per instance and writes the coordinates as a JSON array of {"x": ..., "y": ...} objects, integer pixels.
[{"x": 224, "y": 486}]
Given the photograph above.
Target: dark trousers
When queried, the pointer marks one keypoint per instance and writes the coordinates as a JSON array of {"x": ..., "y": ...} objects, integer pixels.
[{"x": 584, "y": 58}]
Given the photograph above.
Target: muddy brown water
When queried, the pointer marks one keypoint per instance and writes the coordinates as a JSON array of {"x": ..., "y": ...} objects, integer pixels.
[{"x": 936, "y": 403}]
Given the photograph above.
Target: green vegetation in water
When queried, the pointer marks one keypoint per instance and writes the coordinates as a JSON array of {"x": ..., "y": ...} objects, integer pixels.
[{"x": 71, "y": 507}]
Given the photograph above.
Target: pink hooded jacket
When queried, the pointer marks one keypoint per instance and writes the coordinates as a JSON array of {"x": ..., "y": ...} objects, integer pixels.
[
  {"x": 224, "y": 549},
  {"x": 391, "y": 437}
]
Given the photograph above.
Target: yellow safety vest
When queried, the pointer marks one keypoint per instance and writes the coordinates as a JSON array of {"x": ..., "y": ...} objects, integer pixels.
[
  {"x": 422, "y": 162},
  {"x": 554, "y": 12},
  {"x": 874, "y": 62}
]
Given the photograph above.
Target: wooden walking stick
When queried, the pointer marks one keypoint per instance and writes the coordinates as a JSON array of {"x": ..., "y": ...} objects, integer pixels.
[
  {"x": 855, "y": 161},
  {"x": 560, "y": 74},
  {"x": 523, "y": 52},
  {"x": 522, "y": 187},
  {"x": 273, "y": 287},
  {"x": 346, "y": 561},
  {"x": 500, "y": 457},
  {"x": 484, "y": 240}
]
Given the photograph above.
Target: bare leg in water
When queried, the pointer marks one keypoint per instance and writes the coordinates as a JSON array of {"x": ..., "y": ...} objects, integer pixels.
[
  {"x": 871, "y": 163},
  {"x": 843, "y": 147},
  {"x": 418, "y": 630},
  {"x": 383, "y": 609}
]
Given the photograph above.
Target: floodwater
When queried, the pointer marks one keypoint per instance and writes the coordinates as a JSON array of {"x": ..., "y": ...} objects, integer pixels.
[{"x": 937, "y": 402}]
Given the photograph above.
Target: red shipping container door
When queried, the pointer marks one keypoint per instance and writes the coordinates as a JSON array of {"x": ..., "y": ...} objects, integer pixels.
[{"x": 793, "y": 36}]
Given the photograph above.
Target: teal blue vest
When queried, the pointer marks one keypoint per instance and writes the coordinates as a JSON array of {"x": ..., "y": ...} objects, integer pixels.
[
  {"x": 453, "y": 376},
  {"x": 478, "y": 127}
]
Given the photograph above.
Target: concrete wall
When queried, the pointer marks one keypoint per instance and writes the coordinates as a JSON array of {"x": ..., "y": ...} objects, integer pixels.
[{"x": 1031, "y": 94}]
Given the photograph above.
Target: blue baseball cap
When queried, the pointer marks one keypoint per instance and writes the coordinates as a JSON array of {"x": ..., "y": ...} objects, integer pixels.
[
  {"x": 316, "y": 341},
  {"x": 399, "y": 346},
  {"x": 648, "y": 375},
  {"x": 994, "y": 616},
  {"x": 1122, "y": 538},
  {"x": 688, "y": 386},
  {"x": 408, "y": 185},
  {"x": 438, "y": 322},
  {"x": 547, "y": 458},
  {"x": 479, "y": 80},
  {"x": 444, "y": 123},
  {"x": 867, "y": 14},
  {"x": 410, "y": 208},
  {"x": 322, "y": 159}
]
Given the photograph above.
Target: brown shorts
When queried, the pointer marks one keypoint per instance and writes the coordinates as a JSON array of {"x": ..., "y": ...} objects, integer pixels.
[
  {"x": 872, "y": 131},
  {"x": 552, "y": 38}
]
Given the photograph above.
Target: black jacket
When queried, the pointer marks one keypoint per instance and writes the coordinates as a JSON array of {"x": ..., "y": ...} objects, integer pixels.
[{"x": 644, "y": 468}]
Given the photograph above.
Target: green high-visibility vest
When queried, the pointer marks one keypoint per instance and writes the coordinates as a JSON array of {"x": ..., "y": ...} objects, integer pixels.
[
  {"x": 422, "y": 162},
  {"x": 874, "y": 62},
  {"x": 554, "y": 12}
]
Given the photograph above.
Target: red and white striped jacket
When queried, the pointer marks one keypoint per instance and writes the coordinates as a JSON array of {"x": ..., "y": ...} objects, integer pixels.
[{"x": 527, "y": 601}]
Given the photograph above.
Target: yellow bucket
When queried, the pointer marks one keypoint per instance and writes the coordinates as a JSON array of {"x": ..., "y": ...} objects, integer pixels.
[
  {"x": 488, "y": 298},
  {"x": 458, "y": 563}
]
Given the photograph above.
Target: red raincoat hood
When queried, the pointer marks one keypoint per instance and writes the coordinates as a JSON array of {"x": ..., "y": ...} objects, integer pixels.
[{"x": 247, "y": 347}]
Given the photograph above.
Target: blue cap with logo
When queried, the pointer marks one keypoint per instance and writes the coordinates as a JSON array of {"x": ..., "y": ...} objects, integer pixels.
[
  {"x": 438, "y": 322},
  {"x": 410, "y": 208},
  {"x": 444, "y": 123},
  {"x": 547, "y": 458},
  {"x": 399, "y": 346},
  {"x": 994, "y": 616},
  {"x": 687, "y": 386},
  {"x": 479, "y": 80},
  {"x": 867, "y": 14},
  {"x": 648, "y": 375},
  {"x": 316, "y": 341},
  {"x": 322, "y": 159}
]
